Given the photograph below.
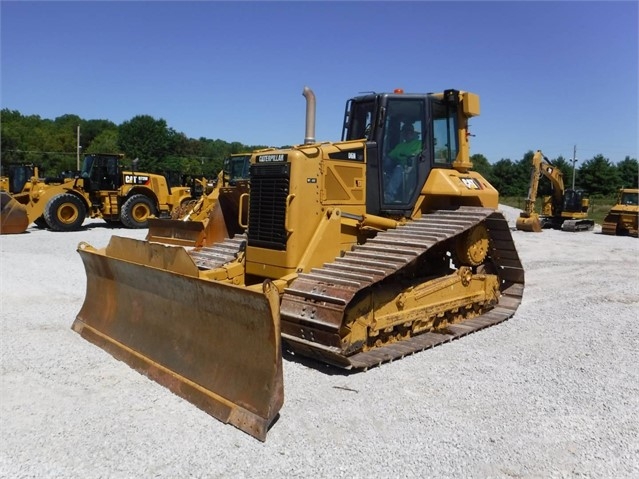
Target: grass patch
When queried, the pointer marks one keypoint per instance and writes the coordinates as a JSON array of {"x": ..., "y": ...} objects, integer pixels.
[{"x": 599, "y": 206}]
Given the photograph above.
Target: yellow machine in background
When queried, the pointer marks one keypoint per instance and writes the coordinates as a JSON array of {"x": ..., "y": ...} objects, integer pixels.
[
  {"x": 623, "y": 217},
  {"x": 214, "y": 216},
  {"x": 102, "y": 190},
  {"x": 348, "y": 257},
  {"x": 13, "y": 216},
  {"x": 566, "y": 209},
  {"x": 16, "y": 178}
]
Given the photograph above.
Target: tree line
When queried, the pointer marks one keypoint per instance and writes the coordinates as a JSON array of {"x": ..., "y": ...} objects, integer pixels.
[{"x": 53, "y": 145}]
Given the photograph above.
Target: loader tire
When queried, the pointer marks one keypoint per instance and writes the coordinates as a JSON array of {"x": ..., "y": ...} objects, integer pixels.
[
  {"x": 65, "y": 212},
  {"x": 136, "y": 211}
]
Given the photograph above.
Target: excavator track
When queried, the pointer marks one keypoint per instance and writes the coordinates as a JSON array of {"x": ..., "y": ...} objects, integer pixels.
[
  {"x": 316, "y": 301},
  {"x": 578, "y": 225}
]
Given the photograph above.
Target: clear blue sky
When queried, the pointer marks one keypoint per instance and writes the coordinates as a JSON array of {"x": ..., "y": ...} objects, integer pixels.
[{"x": 550, "y": 75}]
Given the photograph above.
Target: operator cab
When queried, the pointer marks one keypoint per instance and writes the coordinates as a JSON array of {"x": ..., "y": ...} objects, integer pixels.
[
  {"x": 19, "y": 176},
  {"x": 575, "y": 201},
  {"x": 101, "y": 172},
  {"x": 629, "y": 198},
  {"x": 407, "y": 135},
  {"x": 236, "y": 168}
]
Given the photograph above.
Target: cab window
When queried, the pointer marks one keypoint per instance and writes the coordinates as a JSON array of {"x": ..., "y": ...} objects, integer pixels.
[{"x": 445, "y": 141}]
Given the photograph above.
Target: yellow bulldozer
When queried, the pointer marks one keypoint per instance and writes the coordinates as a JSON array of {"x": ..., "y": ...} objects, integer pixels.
[
  {"x": 214, "y": 216},
  {"x": 623, "y": 217},
  {"x": 566, "y": 209},
  {"x": 101, "y": 190},
  {"x": 351, "y": 255}
]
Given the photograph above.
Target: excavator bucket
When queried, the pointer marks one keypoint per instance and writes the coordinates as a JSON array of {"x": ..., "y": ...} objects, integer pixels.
[
  {"x": 529, "y": 223},
  {"x": 216, "y": 345},
  {"x": 13, "y": 215}
]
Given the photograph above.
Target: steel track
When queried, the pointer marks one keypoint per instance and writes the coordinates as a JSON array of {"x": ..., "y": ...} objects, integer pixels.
[
  {"x": 316, "y": 301},
  {"x": 314, "y": 305}
]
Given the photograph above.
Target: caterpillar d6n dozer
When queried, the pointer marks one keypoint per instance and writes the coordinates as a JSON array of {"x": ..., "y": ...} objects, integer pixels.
[
  {"x": 356, "y": 252},
  {"x": 623, "y": 217},
  {"x": 211, "y": 218},
  {"x": 567, "y": 208}
]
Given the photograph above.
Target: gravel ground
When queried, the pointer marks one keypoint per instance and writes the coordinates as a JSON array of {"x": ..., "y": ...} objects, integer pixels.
[{"x": 553, "y": 392}]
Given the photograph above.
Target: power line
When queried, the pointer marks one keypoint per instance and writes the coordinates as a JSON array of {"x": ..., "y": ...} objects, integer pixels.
[{"x": 41, "y": 152}]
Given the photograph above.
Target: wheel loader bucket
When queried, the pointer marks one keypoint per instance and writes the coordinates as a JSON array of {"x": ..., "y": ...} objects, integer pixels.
[
  {"x": 176, "y": 232},
  {"x": 222, "y": 221},
  {"x": 528, "y": 223},
  {"x": 216, "y": 345},
  {"x": 189, "y": 233},
  {"x": 13, "y": 215}
]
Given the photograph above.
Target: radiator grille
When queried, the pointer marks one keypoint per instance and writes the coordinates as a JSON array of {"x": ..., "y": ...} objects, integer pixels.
[{"x": 267, "y": 206}]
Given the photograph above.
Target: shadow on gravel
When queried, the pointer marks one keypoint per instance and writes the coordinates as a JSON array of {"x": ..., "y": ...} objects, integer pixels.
[{"x": 317, "y": 365}]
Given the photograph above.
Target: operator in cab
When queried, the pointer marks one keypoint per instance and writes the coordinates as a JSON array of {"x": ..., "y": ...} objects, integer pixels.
[{"x": 400, "y": 157}]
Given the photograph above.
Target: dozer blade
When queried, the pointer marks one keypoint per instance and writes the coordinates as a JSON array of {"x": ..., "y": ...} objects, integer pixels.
[
  {"x": 216, "y": 345},
  {"x": 528, "y": 223},
  {"x": 13, "y": 215}
]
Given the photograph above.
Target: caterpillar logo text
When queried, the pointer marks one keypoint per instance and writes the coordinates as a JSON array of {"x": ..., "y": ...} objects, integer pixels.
[{"x": 136, "y": 180}]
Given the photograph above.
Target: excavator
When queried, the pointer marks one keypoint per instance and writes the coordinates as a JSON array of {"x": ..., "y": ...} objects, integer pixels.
[
  {"x": 566, "y": 209},
  {"x": 211, "y": 218},
  {"x": 338, "y": 262}
]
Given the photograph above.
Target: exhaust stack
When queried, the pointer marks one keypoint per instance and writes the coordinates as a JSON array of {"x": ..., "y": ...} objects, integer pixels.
[{"x": 310, "y": 116}]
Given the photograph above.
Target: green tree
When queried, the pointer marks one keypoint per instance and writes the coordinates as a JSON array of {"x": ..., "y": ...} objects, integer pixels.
[
  {"x": 91, "y": 129},
  {"x": 147, "y": 139},
  {"x": 598, "y": 176},
  {"x": 105, "y": 142},
  {"x": 506, "y": 178},
  {"x": 628, "y": 170}
]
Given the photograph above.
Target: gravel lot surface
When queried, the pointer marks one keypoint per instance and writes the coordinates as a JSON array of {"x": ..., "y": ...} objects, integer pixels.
[{"x": 553, "y": 392}]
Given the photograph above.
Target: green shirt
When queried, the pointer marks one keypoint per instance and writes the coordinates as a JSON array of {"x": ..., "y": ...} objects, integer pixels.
[{"x": 404, "y": 151}]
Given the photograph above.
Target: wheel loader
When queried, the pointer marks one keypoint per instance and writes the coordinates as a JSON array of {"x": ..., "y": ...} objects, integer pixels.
[
  {"x": 348, "y": 257},
  {"x": 212, "y": 217},
  {"x": 567, "y": 208},
  {"x": 101, "y": 190},
  {"x": 19, "y": 179},
  {"x": 623, "y": 217}
]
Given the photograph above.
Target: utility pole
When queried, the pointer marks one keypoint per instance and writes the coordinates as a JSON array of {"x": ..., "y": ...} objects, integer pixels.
[
  {"x": 78, "y": 151},
  {"x": 573, "y": 161}
]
